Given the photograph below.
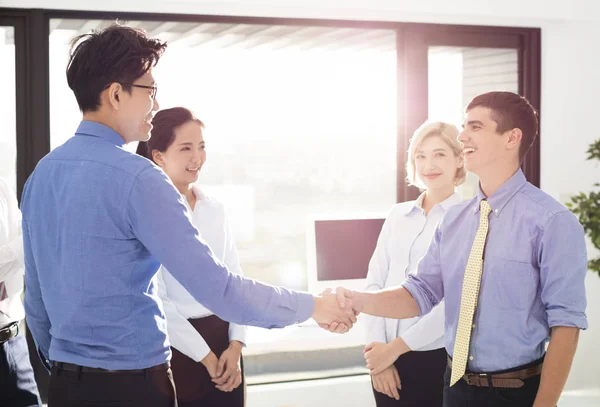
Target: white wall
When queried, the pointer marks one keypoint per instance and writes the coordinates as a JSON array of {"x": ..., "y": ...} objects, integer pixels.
[
  {"x": 570, "y": 89},
  {"x": 570, "y": 82}
]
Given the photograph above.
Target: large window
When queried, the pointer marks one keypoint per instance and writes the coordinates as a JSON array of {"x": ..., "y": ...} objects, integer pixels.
[
  {"x": 300, "y": 122},
  {"x": 458, "y": 74},
  {"x": 304, "y": 119}
]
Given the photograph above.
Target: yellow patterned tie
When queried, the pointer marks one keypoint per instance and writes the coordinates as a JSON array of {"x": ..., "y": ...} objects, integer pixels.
[{"x": 470, "y": 293}]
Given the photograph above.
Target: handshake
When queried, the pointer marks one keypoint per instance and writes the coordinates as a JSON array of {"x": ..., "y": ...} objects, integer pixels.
[{"x": 336, "y": 311}]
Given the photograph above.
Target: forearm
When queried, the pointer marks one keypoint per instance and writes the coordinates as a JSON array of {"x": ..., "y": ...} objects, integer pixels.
[
  {"x": 557, "y": 365},
  {"x": 181, "y": 249},
  {"x": 395, "y": 303}
]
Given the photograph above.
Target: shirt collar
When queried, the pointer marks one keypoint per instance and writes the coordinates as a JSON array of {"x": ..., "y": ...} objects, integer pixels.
[
  {"x": 451, "y": 201},
  {"x": 95, "y": 129},
  {"x": 504, "y": 194},
  {"x": 198, "y": 192},
  {"x": 447, "y": 203}
]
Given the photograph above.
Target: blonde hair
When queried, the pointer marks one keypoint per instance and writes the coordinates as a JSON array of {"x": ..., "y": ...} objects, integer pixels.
[{"x": 449, "y": 133}]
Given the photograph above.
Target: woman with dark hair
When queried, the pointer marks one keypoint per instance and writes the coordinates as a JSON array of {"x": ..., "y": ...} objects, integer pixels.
[
  {"x": 206, "y": 361},
  {"x": 98, "y": 222}
]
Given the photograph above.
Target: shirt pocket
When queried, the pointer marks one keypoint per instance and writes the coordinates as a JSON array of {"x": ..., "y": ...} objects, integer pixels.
[{"x": 513, "y": 283}]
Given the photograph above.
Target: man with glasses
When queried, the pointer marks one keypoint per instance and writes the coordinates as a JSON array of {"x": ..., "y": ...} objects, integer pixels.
[
  {"x": 97, "y": 223},
  {"x": 152, "y": 88}
]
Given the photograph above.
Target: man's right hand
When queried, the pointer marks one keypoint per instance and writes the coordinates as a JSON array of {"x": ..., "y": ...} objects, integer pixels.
[
  {"x": 211, "y": 362},
  {"x": 388, "y": 382},
  {"x": 346, "y": 301},
  {"x": 327, "y": 311}
]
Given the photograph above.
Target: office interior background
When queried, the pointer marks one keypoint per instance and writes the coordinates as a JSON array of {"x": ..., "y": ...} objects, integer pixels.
[{"x": 309, "y": 106}]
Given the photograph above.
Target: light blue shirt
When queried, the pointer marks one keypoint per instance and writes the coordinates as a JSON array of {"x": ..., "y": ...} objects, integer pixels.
[
  {"x": 534, "y": 268},
  {"x": 97, "y": 223}
]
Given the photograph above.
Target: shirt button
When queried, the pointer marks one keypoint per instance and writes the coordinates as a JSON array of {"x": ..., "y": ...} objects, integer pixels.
[{"x": 470, "y": 357}]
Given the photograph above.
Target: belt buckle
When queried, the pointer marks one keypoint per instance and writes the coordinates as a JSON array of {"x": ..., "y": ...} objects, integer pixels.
[
  {"x": 467, "y": 378},
  {"x": 475, "y": 379},
  {"x": 485, "y": 376}
]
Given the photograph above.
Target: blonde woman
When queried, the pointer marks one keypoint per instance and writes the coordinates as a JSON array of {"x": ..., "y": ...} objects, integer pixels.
[{"x": 406, "y": 357}]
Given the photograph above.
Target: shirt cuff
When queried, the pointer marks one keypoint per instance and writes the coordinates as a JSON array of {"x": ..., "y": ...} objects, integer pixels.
[
  {"x": 413, "y": 339},
  {"x": 198, "y": 353},
  {"x": 45, "y": 361},
  {"x": 306, "y": 307},
  {"x": 237, "y": 333},
  {"x": 562, "y": 317}
]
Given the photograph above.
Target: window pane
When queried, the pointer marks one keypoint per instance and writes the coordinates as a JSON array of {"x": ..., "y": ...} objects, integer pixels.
[
  {"x": 300, "y": 121},
  {"x": 8, "y": 135},
  {"x": 457, "y": 74}
]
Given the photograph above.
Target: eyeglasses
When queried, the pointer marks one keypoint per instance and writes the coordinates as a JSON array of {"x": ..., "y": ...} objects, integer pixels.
[{"x": 153, "y": 88}]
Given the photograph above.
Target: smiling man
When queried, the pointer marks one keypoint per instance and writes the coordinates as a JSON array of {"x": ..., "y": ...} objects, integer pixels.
[
  {"x": 98, "y": 221},
  {"x": 510, "y": 264}
]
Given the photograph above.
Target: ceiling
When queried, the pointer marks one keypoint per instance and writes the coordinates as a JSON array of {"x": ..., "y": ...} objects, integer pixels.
[{"x": 242, "y": 36}]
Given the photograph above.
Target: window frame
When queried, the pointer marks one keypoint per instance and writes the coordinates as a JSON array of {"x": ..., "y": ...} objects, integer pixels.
[{"x": 413, "y": 41}]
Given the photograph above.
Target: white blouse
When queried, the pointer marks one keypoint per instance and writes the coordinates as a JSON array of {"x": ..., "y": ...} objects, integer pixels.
[
  {"x": 210, "y": 219},
  {"x": 404, "y": 240},
  {"x": 12, "y": 265}
]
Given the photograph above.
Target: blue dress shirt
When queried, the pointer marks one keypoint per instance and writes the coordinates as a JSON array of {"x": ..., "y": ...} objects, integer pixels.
[
  {"x": 97, "y": 223},
  {"x": 534, "y": 268}
]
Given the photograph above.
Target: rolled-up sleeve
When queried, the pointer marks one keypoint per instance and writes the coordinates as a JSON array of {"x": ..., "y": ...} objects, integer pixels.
[
  {"x": 426, "y": 284},
  {"x": 563, "y": 260},
  {"x": 161, "y": 221}
]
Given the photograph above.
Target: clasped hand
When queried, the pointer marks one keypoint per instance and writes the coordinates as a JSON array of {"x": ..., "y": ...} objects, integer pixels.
[
  {"x": 225, "y": 371},
  {"x": 335, "y": 311}
]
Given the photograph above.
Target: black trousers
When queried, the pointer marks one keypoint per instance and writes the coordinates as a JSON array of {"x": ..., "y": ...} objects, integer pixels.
[
  {"x": 464, "y": 395},
  {"x": 150, "y": 388},
  {"x": 17, "y": 381},
  {"x": 422, "y": 378}
]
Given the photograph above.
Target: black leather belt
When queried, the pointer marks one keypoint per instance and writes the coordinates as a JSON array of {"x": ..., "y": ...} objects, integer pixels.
[
  {"x": 9, "y": 332},
  {"x": 69, "y": 367}
]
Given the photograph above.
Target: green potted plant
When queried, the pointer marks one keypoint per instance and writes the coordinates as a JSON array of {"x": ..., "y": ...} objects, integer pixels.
[{"x": 587, "y": 209}]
